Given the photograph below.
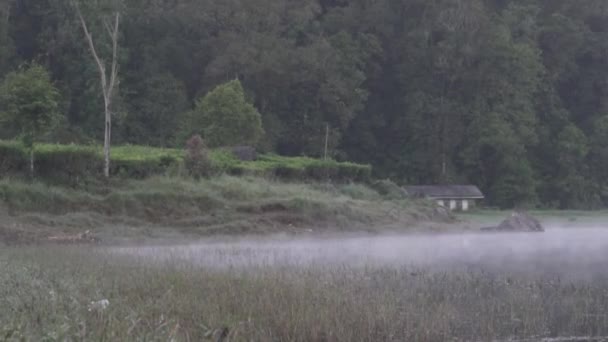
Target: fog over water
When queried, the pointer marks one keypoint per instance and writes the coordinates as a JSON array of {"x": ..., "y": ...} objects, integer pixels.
[{"x": 573, "y": 252}]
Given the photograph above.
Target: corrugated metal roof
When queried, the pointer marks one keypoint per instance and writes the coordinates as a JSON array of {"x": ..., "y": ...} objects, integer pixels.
[{"x": 445, "y": 191}]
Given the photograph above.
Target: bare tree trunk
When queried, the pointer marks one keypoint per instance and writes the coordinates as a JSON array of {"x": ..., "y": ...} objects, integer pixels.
[
  {"x": 107, "y": 141},
  {"x": 107, "y": 87}
]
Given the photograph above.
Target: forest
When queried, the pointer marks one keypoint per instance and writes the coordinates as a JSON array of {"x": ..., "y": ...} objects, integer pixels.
[{"x": 511, "y": 96}]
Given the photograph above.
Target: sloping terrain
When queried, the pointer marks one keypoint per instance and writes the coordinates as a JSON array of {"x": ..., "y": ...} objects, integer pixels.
[{"x": 178, "y": 208}]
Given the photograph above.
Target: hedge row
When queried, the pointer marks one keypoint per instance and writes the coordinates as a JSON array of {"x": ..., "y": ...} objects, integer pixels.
[
  {"x": 295, "y": 168},
  {"x": 73, "y": 163}
]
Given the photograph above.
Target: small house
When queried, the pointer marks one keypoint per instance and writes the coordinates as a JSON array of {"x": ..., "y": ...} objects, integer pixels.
[{"x": 454, "y": 197}]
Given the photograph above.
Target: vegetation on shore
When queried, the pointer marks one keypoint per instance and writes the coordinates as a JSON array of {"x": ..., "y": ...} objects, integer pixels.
[
  {"x": 508, "y": 95},
  {"x": 225, "y": 205},
  {"x": 51, "y": 294},
  {"x": 71, "y": 164}
]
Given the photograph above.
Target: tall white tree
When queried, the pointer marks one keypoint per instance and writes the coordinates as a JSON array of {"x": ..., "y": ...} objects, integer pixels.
[{"x": 109, "y": 80}]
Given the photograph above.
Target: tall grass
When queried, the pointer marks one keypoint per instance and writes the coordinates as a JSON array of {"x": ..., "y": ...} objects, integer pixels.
[
  {"x": 219, "y": 205},
  {"x": 45, "y": 295}
]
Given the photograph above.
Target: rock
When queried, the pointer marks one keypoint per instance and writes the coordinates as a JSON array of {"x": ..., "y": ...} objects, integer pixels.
[
  {"x": 518, "y": 222},
  {"x": 245, "y": 153}
]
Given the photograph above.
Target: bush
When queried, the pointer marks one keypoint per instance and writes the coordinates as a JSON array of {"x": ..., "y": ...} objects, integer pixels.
[
  {"x": 73, "y": 164},
  {"x": 66, "y": 164},
  {"x": 226, "y": 118},
  {"x": 245, "y": 153},
  {"x": 13, "y": 159},
  {"x": 388, "y": 189},
  {"x": 359, "y": 192},
  {"x": 197, "y": 159}
]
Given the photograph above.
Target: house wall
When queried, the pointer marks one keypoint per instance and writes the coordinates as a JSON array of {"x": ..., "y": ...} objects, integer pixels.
[
  {"x": 453, "y": 204},
  {"x": 456, "y": 204},
  {"x": 465, "y": 205}
]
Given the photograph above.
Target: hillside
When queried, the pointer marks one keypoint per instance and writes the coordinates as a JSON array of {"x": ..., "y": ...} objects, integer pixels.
[
  {"x": 507, "y": 95},
  {"x": 164, "y": 208}
]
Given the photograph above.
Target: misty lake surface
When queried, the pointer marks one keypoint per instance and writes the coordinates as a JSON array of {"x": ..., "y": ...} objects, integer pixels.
[{"x": 581, "y": 253}]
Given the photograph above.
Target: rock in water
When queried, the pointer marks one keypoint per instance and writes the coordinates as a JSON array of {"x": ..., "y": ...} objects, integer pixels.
[{"x": 518, "y": 222}]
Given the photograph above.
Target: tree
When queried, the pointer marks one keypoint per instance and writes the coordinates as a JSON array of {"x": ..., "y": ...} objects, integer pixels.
[
  {"x": 226, "y": 118},
  {"x": 6, "y": 45},
  {"x": 30, "y": 103},
  {"x": 108, "y": 83},
  {"x": 425, "y": 91},
  {"x": 157, "y": 107},
  {"x": 571, "y": 183},
  {"x": 598, "y": 156}
]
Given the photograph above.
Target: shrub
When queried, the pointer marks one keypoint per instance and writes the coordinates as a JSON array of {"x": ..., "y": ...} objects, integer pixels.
[
  {"x": 13, "y": 159},
  {"x": 226, "y": 118},
  {"x": 359, "y": 192},
  {"x": 73, "y": 164},
  {"x": 30, "y": 104},
  {"x": 197, "y": 159},
  {"x": 245, "y": 153},
  {"x": 388, "y": 189},
  {"x": 321, "y": 170},
  {"x": 68, "y": 165}
]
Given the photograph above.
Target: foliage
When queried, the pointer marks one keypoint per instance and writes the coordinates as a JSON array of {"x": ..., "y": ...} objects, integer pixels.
[
  {"x": 293, "y": 168},
  {"x": 165, "y": 204},
  {"x": 54, "y": 287},
  {"x": 388, "y": 189},
  {"x": 30, "y": 103},
  {"x": 444, "y": 91},
  {"x": 197, "y": 159},
  {"x": 226, "y": 118},
  {"x": 74, "y": 164},
  {"x": 156, "y": 111}
]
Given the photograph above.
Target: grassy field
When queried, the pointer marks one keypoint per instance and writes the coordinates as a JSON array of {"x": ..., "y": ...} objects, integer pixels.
[
  {"x": 169, "y": 207},
  {"x": 46, "y": 294}
]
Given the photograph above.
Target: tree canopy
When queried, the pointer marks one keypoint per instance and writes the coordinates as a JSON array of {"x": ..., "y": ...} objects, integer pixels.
[
  {"x": 30, "y": 105},
  {"x": 508, "y": 95},
  {"x": 226, "y": 118}
]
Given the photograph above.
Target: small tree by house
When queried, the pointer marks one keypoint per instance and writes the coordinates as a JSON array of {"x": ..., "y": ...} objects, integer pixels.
[
  {"x": 226, "y": 118},
  {"x": 30, "y": 104}
]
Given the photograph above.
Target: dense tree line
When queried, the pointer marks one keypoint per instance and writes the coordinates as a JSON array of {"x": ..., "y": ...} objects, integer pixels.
[{"x": 509, "y": 95}]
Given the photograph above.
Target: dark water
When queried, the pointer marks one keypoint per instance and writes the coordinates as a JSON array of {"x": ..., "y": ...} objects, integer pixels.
[{"x": 578, "y": 253}]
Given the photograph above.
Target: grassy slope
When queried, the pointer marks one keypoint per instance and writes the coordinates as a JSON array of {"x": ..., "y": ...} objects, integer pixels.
[{"x": 173, "y": 207}]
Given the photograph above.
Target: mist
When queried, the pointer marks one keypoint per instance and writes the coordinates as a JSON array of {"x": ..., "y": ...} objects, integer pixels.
[{"x": 578, "y": 253}]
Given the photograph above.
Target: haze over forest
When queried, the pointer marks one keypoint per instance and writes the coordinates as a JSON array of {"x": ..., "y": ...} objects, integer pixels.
[{"x": 509, "y": 95}]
